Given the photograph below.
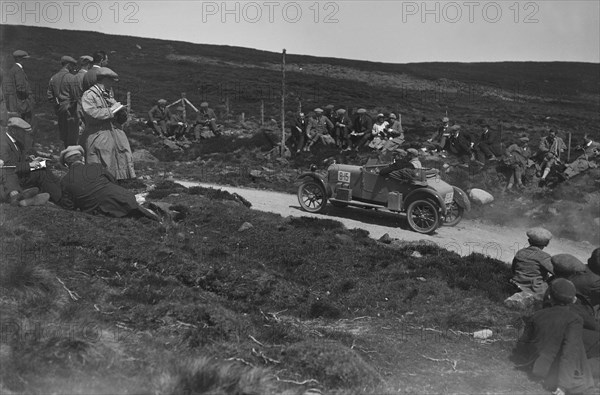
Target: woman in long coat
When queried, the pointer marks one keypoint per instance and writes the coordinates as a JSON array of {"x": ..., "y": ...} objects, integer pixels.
[{"x": 105, "y": 142}]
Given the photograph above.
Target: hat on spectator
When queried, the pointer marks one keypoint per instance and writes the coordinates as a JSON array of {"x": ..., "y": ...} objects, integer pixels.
[
  {"x": 565, "y": 264},
  {"x": 562, "y": 291},
  {"x": 318, "y": 110},
  {"x": 330, "y": 107},
  {"x": 413, "y": 151},
  {"x": 67, "y": 59},
  {"x": 162, "y": 101},
  {"x": 180, "y": 108},
  {"x": 69, "y": 152},
  {"x": 361, "y": 111},
  {"x": 380, "y": 115},
  {"x": 445, "y": 119},
  {"x": 594, "y": 261},
  {"x": 105, "y": 72},
  {"x": 539, "y": 236},
  {"x": 393, "y": 116},
  {"x": 524, "y": 139},
  {"x": 20, "y": 54},
  {"x": 85, "y": 59},
  {"x": 341, "y": 111},
  {"x": 204, "y": 104},
  {"x": 16, "y": 122},
  {"x": 455, "y": 127}
]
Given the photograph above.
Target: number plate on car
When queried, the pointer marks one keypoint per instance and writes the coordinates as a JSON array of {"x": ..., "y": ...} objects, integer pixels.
[
  {"x": 344, "y": 176},
  {"x": 449, "y": 198}
]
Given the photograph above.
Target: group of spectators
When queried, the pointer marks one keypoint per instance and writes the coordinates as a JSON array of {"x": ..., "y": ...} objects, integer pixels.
[
  {"x": 336, "y": 128},
  {"x": 560, "y": 343},
  {"x": 174, "y": 126},
  {"x": 97, "y": 152}
]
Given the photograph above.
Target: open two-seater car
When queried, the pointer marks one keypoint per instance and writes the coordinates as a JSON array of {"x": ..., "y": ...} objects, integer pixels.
[{"x": 426, "y": 200}]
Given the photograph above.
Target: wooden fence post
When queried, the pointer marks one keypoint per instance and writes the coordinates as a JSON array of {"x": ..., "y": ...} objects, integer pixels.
[
  {"x": 128, "y": 106},
  {"x": 183, "y": 105},
  {"x": 262, "y": 112}
]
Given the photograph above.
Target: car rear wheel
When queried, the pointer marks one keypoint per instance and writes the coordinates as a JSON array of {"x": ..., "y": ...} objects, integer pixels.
[
  {"x": 454, "y": 214},
  {"x": 422, "y": 216},
  {"x": 312, "y": 196}
]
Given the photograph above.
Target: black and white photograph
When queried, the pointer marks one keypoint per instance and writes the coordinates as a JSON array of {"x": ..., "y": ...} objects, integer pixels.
[{"x": 300, "y": 197}]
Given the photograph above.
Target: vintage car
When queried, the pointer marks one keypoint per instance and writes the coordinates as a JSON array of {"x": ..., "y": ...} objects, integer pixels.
[{"x": 426, "y": 201}]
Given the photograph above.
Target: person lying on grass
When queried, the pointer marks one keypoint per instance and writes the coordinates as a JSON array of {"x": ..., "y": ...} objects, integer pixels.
[
  {"x": 552, "y": 346},
  {"x": 92, "y": 189}
]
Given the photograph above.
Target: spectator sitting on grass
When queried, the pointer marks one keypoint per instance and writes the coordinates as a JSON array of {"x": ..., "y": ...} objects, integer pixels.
[
  {"x": 532, "y": 267},
  {"x": 159, "y": 118},
  {"x": 552, "y": 347},
  {"x": 92, "y": 189}
]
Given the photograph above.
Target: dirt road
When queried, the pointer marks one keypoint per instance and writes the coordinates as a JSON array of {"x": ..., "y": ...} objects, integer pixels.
[{"x": 467, "y": 237}]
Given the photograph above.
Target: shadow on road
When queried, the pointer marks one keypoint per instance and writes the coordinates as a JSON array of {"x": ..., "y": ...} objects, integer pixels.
[{"x": 367, "y": 216}]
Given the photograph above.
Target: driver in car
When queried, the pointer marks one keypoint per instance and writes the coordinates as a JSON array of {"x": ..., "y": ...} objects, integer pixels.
[{"x": 404, "y": 166}]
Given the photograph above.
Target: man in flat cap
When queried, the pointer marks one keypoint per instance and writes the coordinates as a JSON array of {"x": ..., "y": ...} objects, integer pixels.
[
  {"x": 17, "y": 90},
  {"x": 159, "y": 118},
  {"x": 459, "y": 144},
  {"x": 442, "y": 133},
  {"x": 586, "y": 282},
  {"x": 62, "y": 93},
  {"x": 363, "y": 126},
  {"x": 207, "y": 118},
  {"x": 342, "y": 129},
  {"x": 406, "y": 165},
  {"x": 105, "y": 141},
  {"x": 552, "y": 345},
  {"x": 298, "y": 129},
  {"x": 532, "y": 267},
  {"x": 516, "y": 157},
  {"x": 99, "y": 59},
  {"x": 92, "y": 189},
  {"x": 550, "y": 149},
  {"x": 16, "y": 151},
  {"x": 318, "y": 129}
]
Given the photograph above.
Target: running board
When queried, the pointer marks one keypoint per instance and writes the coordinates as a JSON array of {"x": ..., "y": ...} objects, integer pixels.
[{"x": 363, "y": 205}]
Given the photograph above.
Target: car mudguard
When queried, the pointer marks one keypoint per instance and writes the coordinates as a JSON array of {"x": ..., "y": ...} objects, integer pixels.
[
  {"x": 318, "y": 179},
  {"x": 461, "y": 198},
  {"x": 426, "y": 193}
]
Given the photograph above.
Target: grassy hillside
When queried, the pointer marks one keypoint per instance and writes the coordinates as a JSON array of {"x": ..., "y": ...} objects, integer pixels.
[
  {"x": 98, "y": 305},
  {"x": 518, "y": 97}
]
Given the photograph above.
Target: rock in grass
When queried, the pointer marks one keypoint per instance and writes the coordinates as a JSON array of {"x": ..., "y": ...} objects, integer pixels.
[
  {"x": 520, "y": 300},
  {"x": 245, "y": 226},
  {"x": 481, "y": 197},
  {"x": 386, "y": 239}
]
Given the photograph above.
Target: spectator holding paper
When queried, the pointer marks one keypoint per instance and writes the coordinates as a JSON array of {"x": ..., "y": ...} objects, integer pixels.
[{"x": 104, "y": 140}]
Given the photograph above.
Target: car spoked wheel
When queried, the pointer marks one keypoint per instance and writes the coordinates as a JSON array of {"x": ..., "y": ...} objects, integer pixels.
[
  {"x": 312, "y": 197},
  {"x": 454, "y": 214},
  {"x": 422, "y": 216}
]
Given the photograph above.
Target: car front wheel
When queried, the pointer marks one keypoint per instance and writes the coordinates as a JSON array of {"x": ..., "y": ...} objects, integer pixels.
[
  {"x": 312, "y": 196},
  {"x": 422, "y": 216},
  {"x": 454, "y": 214}
]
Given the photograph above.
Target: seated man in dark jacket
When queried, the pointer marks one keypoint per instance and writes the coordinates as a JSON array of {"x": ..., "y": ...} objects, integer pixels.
[
  {"x": 459, "y": 144},
  {"x": 24, "y": 170},
  {"x": 489, "y": 146},
  {"x": 552, "y": 344},
  {"x": 92, "y": 189}
]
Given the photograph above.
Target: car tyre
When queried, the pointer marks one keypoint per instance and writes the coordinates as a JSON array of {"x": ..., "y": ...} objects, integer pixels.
[
  {"x": 454, "y": 214},
  {"x": 312, "y": 196},
  {"x": 422, "y": 216}
]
